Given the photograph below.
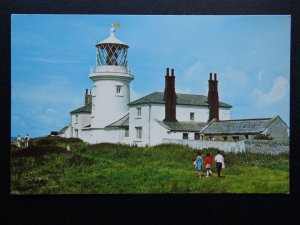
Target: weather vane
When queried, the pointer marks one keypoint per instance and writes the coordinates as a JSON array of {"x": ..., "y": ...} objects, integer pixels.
[{"x": 115, "y": 25}]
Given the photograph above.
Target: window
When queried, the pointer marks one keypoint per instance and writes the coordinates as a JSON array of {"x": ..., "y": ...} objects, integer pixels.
[
  {"x": 211, "y": 138},
  {"x": 139, "y": 112},
  {"x": 185, "y": 136},
  {"x": 235, "y": 138},
  {"x": 76, "y": 118},
  {"x": 225, "y": 138},
  {"x": 118, "y": 90},
  {"x": 197, "y": 136},
  {"x": 76, "y": 133},
  {"x": 192, "y": 116},
  {"x": 126, "y": 132},
  {"x": 246, "y": 136},
  {"x": 138, "y": 132}
]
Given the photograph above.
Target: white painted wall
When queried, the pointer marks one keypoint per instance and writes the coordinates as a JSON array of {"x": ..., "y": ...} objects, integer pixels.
[
  {"x": 224, "y": 114},
  {"x": 83, "y": 119},
  {"x": 94, "y": 136},
  {"x": 153, "y": 133},
  {"x": 139, "y": 121},
  {"x": 67, "y": 133},
  {"x": 200, "y": 113},
  {"x": 107, "y": 105}
]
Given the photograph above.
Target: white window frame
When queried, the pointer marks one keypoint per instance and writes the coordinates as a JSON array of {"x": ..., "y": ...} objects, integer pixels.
[
  {"x": 139, "y": 112},
  {"x": 119, "y": 90},
  {"x": 183, "y": 136},
  {"x": 197, "y": 135},
  {"x": 139, "y": 132},
  {"x": 126, "y": 132}
]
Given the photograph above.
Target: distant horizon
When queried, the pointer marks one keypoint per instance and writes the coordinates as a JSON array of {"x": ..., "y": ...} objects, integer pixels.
[{"x": 51, "y": 56}]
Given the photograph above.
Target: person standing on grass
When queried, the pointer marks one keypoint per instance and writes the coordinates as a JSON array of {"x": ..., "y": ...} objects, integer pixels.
[
  {"x": 27, "y": 138},
  {"x": 199, "y": 162},
  {"x": 208, "y": 164},
  {"x": 219, "y": 159},
  {"x": 19, "y": 141}
]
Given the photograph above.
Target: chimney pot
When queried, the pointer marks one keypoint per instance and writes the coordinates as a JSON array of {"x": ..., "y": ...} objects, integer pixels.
[
  {"x": 172, "y": 72},
  {"x": 215, "y": 76},
  {"x": 167, "y": 72},
  {"x": 210, "y": 76},
  {"x": 86, "y": 91}
]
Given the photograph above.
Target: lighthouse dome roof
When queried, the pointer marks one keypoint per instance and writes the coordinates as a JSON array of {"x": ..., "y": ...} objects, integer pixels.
[{"x": 112, "y": 39}]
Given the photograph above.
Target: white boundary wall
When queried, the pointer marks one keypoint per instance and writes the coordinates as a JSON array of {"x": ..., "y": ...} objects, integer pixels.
[
  {"x": 227, "y": 146},
  {"x": 255, "y": 146}
]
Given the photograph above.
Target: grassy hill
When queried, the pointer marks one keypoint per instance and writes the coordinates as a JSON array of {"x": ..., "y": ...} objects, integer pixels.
[{"x": 47, "y": 167}]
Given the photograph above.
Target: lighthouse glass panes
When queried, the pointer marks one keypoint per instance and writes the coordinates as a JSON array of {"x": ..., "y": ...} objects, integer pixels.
[{"x": 112, "y": 55}]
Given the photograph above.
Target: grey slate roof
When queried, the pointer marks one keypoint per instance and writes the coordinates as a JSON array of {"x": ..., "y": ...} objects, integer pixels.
[
  {"x": 63, "y": 130},
  {"x": 84, "y": 109},
  {"x": 243, "y": 126},
  {"x": 189, "y": 126},
  {"x": 123, "y": 122},
  {"x": 182, "y": 99}
]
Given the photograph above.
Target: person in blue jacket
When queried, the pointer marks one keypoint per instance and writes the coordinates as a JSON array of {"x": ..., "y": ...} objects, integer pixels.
[{"x": 199, "y": 162}]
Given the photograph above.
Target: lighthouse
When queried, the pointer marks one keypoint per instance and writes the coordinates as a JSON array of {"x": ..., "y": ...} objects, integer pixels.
[{"x": 111, "y": 82}]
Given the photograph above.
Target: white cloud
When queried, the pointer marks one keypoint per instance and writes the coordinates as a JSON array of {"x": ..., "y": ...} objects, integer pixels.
[
  {"x": 55, "y": 61},
  {"x": 234, "y": 85},
  {"x": 50, "y": 110},
  {"x": 46, "y": 119},
  {"x": 185, "y": 91},
  {"x": 194, "y": 71},
  {"x": 278, "y": 92}
]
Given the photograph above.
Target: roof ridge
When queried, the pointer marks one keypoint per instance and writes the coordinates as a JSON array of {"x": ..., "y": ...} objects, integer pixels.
[
  {"x": 182, "y": 99},
  {"x": 245, "y": 119}
]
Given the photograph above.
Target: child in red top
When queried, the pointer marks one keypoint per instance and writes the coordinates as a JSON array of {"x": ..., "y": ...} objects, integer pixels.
[{"x": 208, "y": 164}]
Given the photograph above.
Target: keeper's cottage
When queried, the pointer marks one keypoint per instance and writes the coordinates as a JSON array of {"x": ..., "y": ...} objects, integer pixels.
[{"x": 109, "y": 116}]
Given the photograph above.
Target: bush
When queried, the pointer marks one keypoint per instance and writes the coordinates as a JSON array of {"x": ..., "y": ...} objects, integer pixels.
[
  {"x": 36, "y": 151},
  {"x": 77, "y": 160},
  {"x": 55, "y": 140}
]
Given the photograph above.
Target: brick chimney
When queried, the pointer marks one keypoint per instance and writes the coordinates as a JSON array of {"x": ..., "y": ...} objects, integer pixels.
[
  {"x": 170, "y": 97},
  {"x": 87, "y": 97},
  {"x": 213, "y": 98}
]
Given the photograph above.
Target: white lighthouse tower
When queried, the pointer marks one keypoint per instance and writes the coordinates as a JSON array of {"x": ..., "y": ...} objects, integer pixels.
[{"x": 111, "y": 79}]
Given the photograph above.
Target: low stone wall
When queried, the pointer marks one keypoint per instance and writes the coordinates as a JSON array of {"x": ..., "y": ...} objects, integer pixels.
[
  {"x": 255, "y": 146},
  {"x": 227, "y": 146},
  {"x": 266, "y": 146}
]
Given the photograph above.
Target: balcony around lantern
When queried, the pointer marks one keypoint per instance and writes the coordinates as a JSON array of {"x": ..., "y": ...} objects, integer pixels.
[{"x": 110, "y": 71}]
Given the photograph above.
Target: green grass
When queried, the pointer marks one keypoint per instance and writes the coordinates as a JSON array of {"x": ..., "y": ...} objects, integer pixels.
[{"x": 46, "y": 167}]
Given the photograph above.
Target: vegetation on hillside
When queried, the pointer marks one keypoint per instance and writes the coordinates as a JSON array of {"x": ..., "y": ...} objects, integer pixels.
[{"x": 47, "y": 167}]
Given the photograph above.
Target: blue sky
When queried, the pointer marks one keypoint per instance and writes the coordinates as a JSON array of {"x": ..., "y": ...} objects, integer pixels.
[{"x": 52, "y": 56}]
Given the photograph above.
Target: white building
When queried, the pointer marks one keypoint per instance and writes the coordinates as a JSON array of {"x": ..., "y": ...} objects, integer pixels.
[{"x": 109, "y": 116}]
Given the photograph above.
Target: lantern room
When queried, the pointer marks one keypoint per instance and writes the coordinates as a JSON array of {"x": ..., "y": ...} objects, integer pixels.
[{"x": 111, "y": 51}]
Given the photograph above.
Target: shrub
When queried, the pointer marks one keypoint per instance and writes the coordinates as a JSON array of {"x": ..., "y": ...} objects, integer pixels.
[
  {"x": 76, "y": 160},
  {"x": 54, "y": 140},
  {"x": 36, "y": 151}
]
